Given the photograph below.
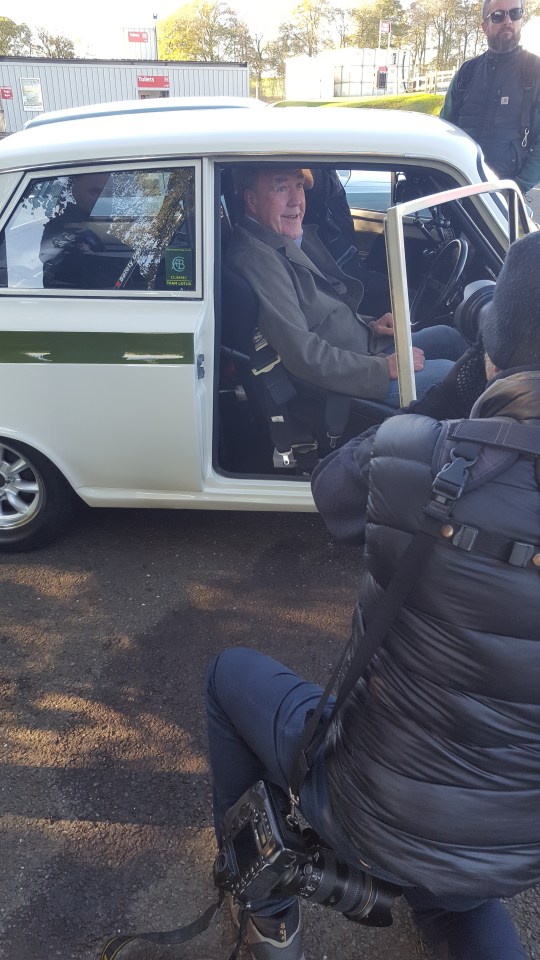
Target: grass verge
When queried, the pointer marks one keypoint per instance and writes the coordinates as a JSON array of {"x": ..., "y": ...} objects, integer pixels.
[{"x": 429, "y": 103}]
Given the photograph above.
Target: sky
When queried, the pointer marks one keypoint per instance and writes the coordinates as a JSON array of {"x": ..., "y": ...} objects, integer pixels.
[{"x": 93, "y": 25}]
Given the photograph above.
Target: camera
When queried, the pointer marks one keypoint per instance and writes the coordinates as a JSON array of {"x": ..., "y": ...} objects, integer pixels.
[
  {"x": 471, "y": 312},
  {"x": 264, "y": 851}
]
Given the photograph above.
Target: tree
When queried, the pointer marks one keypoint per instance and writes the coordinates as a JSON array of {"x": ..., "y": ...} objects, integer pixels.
[
  {"x": 203, "y": 31},
  {"x": 15, "y": 38},
  {"x": 309, "y": 27},
  {"x": 55, "y": 46},
  {"x": 366, "y": 20},
  {"x": 258, "y": 62},
  {"x": 343, "y": 24},
  {"x": 469, "y": 33},
  {"x": 276, "y": 52}
]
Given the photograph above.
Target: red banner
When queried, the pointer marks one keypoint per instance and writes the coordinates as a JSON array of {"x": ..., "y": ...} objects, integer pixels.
[
  {"x": 6, "y": 93},
  {"x": 138, "y": 36}
]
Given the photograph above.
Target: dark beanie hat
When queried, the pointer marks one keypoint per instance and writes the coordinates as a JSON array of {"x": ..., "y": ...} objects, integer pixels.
[{"x": 511, "y": 327}]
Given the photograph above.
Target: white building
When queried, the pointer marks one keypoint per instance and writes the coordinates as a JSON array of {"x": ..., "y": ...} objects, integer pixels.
[{"x": 347, "y": 72}]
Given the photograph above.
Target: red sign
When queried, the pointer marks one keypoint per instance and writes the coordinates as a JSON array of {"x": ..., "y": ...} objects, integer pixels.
[
  {"x": 6, "y": 93},
  {"x": 155, "y": 83},
  {"x": 385, "y": 26},
  {"x": 382, "y": 69},
  {"x": 138, "y": 36}
]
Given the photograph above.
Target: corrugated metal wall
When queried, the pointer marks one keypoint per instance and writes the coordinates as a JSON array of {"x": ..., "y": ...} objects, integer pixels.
[{"x": 73, "y": 83}]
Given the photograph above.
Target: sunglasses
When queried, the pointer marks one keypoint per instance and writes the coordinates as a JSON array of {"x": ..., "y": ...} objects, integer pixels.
[{"x": 498, "y": 16}]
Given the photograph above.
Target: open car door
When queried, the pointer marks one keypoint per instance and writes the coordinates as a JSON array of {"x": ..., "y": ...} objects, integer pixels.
[{"x": 502, "y": 198}]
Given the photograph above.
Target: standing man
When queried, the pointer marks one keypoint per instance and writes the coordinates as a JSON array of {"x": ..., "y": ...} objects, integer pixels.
[{"x": 495, "y": 97}]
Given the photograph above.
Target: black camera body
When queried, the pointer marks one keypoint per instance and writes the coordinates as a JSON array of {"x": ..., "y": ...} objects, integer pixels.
[{"x": 265, "y": 852}]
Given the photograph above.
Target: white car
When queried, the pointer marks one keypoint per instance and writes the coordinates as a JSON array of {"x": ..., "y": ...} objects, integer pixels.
[{"x": 126, "y": 352}]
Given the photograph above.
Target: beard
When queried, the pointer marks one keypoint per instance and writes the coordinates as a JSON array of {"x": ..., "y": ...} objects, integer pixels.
[{"x": 504, "y": 43}]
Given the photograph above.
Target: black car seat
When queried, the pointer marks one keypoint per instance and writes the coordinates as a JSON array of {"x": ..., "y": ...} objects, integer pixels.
[{"x": 304, "y": 421}]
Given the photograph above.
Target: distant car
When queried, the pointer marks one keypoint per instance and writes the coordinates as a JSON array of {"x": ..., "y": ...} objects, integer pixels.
[{"x": 130, "y": 370}]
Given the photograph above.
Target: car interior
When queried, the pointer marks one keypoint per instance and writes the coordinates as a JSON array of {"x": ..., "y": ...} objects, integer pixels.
[{"x": 271, "y": 424}]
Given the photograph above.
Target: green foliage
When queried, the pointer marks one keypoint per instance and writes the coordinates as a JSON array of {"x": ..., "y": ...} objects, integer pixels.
[
  {"x": 429, "y": 103},
  {"x": 55, "y": 46},
  {"x": 16, "y": 41},
  {"x": 15, "y": 38},
  {"x": 452, "y": 27},
  {"x": 308, "y": 29},
  {"x": 204, "y": 31},
  {"x": 366, "y": 19}
]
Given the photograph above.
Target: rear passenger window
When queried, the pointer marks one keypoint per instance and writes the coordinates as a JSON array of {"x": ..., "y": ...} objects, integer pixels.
[{"x": 121, "y": 230}]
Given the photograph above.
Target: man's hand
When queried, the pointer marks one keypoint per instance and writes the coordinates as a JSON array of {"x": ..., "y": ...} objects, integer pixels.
[
  {"x": 418, "y": 362},
  {"x": 384, "y": 326}
]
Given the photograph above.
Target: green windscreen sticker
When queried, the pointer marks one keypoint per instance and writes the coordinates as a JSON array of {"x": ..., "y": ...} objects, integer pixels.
[{"x": 179, "y": 267}]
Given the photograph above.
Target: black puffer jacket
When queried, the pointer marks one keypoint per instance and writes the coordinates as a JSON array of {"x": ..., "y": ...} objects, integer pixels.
[{"x": 434, "y": 762}]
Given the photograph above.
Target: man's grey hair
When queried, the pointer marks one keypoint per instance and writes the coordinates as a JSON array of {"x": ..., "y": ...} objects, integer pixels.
[{"x": 246, "y": 176}]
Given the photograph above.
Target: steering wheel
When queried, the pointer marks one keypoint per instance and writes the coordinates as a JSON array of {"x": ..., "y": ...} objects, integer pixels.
[{"x": 440, "y": 284}]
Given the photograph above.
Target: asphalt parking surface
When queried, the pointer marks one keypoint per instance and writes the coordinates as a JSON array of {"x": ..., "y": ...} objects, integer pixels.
[{"x": 105, "y": 794}]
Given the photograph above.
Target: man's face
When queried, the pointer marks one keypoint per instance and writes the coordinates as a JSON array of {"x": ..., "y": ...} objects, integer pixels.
[
  {"x": 86, "y": 188},
  {"x": 278, "y": 202},
  {"x": 505, "y": 36}
]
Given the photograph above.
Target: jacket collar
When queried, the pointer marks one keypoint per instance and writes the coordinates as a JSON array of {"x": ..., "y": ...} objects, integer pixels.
[
  {"x": 283, "y": 245},
  {"x": 491, "y": 56},
  {"x": 514, "y": 393}
]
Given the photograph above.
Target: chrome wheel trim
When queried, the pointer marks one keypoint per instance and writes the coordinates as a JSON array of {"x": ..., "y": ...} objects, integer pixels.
[{"x": 21, "y": 489}]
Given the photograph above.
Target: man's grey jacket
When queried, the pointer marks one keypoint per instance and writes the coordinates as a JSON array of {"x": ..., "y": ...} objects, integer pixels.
[
  {"x": 308, "y": 311},
  {"x": 433, "y": 763}
]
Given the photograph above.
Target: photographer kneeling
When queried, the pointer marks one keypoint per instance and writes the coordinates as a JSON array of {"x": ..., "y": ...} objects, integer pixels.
[{"x": 429, "y": 774}]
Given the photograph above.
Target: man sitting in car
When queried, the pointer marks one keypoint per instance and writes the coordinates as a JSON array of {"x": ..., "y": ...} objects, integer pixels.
[{"x": 308, "y": 308}]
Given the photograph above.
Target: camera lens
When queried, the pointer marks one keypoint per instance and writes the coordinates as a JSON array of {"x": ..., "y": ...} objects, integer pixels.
[
  {"x": 222, "y": 869},
  {"x": 326, "y": 880}
]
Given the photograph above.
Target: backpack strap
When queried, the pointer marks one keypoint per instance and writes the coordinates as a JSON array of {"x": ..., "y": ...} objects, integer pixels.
[
  {"x": 465, "y": 75},
  {"x": 510, "y": 437},
  {"x": 509, "y": 434}
]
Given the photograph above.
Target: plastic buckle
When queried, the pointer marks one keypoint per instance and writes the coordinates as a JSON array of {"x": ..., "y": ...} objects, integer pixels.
[
  {"x": 465, "y": 538},
  {"x": 521, "y": 554},
  {"x": 450, "y": 481}
]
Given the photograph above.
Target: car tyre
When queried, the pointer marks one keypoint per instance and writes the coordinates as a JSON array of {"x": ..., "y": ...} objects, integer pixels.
[{"x": 36, "y": 501}]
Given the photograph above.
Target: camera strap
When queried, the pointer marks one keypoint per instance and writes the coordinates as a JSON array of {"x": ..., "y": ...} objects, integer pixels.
[
  {"x": 169, "y": 937},
  {"x": 447, "y": 488}
]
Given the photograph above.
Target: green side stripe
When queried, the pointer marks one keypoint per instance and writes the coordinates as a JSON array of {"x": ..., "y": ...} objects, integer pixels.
[{"x": 42, "y": 346}]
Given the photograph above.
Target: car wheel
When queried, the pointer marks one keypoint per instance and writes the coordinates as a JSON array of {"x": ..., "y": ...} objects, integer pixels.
[{"x": 36, "y": 502}]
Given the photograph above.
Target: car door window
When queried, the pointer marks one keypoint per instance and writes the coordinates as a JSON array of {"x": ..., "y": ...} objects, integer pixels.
[
  {"x": 367, "y": 189},
  {"x": 103, "y": 230}
]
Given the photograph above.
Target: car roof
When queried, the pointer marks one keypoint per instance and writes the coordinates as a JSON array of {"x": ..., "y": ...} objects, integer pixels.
[
  {"x": 297, "y": 132},
  {"x": 162, "y": 105}
]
